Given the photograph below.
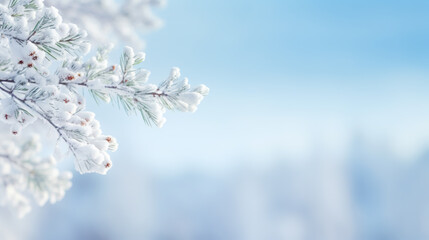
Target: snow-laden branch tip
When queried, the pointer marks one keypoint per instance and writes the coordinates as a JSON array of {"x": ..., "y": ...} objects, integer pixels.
[
  {"x": 42, "y": 77},
  {"x": 24, "y": 174}
]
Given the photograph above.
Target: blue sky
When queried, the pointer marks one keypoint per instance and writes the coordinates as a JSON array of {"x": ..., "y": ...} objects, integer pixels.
[{"x": 285, "y": 77}]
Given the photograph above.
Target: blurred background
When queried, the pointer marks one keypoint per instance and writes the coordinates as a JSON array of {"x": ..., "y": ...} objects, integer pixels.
[{"x": 316, "y": 128}]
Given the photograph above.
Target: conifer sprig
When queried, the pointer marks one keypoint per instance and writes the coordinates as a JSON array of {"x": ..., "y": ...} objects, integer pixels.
[{"x": 42, "y": 79}]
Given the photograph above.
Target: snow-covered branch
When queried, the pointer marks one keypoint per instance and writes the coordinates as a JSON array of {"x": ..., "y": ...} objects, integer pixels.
[
  {"x": 104, "y": 19},
  {"x": 43, "y": 76},
  {"x": 23, "y": 174}
]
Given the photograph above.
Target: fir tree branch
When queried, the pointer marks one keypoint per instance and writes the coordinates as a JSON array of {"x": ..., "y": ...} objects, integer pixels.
[{"x": 42, "y": 115}]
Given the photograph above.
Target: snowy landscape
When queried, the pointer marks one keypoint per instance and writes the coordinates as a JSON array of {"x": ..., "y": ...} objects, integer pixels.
[{"x": 200, "y": 120}]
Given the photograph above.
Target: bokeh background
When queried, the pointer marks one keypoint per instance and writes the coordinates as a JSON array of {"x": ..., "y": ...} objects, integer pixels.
[{"x": 316, "y": 128}]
